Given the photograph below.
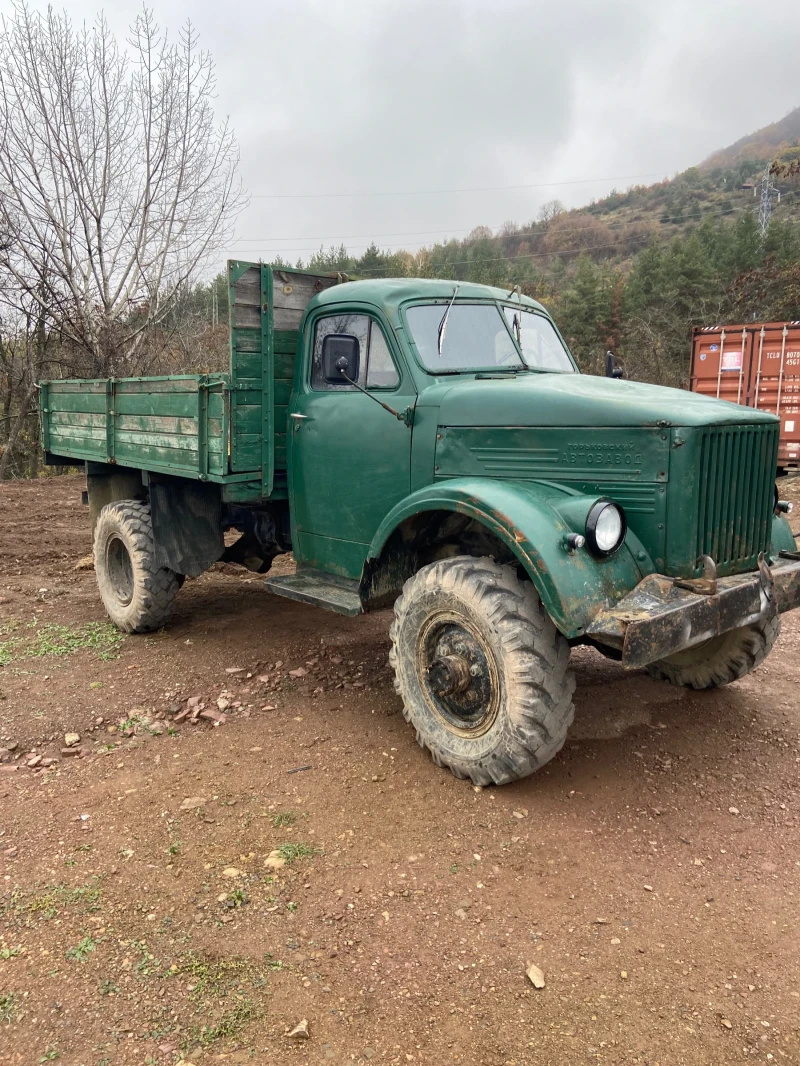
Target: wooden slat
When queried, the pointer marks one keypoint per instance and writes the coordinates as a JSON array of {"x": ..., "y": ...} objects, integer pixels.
[
  {"x": 177, "y": 441},
  {"x": 135, "y": 386},
  {"x": 81, "y": 402},
  {"x": 76, "y": 418},
  {"x": 80, "y": 433},
  {"x": 285, "y": 341},
  {"x": 158, "y": 405}
]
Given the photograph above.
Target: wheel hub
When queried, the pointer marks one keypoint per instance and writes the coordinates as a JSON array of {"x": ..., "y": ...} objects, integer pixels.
[
  {"x": 460, "y": 678},
  {"x": 449, "y": 674}
]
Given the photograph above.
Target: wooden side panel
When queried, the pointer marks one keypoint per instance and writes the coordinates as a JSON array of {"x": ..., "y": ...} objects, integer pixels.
[
  {"x": 291, "y": 294},
  {"x": 170, "y": 425},
  {"x": 247, "y": 367}
]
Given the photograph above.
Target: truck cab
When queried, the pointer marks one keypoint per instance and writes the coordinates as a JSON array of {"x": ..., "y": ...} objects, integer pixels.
[{"x": 431, "y": 445}]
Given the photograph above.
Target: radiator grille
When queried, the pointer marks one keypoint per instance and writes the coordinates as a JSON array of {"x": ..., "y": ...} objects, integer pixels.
[{"x": 737, "y": 472}]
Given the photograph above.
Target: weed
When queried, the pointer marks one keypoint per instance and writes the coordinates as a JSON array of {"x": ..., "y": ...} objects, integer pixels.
[
  {"x": 175, "y": 847},
  {"x": 50, "y": 1055},
  {"x": 283, "y": 820},
  {"x": 82, "y": 950},
  {"x": 108, "y": 988},
  {"x": 238, "y": 898},
  {"x": 272, "y": 962},
  {"x": 172, "y": 731},
  {"x": 453, "y": 867},
  {"x": 290, "y": 852},
  {"x": 148, "y": 963},
  {"x": 10, "y": 953},
  {"x": 291, "y": 907},
  {"x": 8, "y": 1007}
]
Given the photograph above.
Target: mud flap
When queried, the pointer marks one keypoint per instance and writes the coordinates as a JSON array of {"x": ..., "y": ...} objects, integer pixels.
[{"x": 187, "y": 524}]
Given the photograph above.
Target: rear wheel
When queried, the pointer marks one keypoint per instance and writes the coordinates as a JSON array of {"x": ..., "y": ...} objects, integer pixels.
[
  {"x": 482, "y": 671},
  {"x": 720, "y": 660},
  {"x": 137, "y": 594}
]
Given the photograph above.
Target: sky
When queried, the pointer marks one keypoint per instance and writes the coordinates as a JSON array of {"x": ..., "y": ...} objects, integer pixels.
[{"x": 407, "y": 122}]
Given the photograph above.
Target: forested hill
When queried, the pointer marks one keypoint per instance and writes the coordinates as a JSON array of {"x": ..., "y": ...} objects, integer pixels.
[{"x": 638, "y": 269}]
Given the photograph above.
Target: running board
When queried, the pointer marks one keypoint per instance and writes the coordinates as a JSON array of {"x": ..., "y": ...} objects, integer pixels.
[{"x": 318, "y": 588}]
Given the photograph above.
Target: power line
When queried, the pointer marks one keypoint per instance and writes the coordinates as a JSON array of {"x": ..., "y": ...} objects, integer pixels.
[
  {"x": 441, "y": 192},
  {"x": 663, "y": 221}
]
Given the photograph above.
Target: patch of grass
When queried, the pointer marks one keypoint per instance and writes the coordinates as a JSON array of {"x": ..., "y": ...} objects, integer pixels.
[
  {"x": 35, "y": 639},
  {"x": 290, "y": 852},
  {"x": 8, "y": 1007},
  {"x": 232, "y": 1022},
  {"x": 82, "y": 950},
  {"x": 284, "y": 819},
  {"x": 212, "y": 976},
  {"x": 56, "y": 897}
]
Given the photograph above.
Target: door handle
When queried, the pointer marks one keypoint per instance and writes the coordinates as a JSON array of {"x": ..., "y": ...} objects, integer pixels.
[{"x": 298, "y": 417}]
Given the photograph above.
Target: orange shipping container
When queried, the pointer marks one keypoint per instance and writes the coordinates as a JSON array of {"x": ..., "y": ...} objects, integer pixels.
[{"x": 757, "y": 365}]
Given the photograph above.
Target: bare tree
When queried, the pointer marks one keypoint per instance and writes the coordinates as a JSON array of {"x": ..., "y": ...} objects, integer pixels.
[
  {"x": 117, "y": 182},
  {"x": 550, "y": 210}
]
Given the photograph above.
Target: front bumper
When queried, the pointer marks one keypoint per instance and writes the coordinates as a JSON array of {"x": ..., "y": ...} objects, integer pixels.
[{"x": 658, "y": 619}]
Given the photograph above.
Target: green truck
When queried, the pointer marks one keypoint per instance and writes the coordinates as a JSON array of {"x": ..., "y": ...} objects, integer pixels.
[{"x": 431, "y": 445}]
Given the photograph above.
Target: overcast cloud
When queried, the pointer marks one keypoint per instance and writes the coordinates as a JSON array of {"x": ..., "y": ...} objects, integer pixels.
[{"x": 400, "y": 97}]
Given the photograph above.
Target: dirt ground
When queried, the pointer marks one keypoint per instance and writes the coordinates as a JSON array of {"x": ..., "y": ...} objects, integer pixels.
[{"x": 191, "y": 892}]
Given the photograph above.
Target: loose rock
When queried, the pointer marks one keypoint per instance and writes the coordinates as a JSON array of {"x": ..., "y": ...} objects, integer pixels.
[
  {"x": 300, "y": 1031},
  {"x": 72, "y": 739},
  {"x": 535, "y": 976}
]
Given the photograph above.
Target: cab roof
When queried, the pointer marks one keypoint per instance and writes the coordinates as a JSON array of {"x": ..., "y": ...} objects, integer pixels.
[{"x": 389, "y": 293}]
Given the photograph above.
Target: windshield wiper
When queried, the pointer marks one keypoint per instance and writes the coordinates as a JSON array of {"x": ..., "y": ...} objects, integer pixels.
[
  {"x": 516, "y": 322},
  {"x": 443, "y": 324}
]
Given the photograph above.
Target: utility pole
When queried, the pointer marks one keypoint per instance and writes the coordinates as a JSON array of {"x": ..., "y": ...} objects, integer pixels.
[{"x": 768, "y": 191}]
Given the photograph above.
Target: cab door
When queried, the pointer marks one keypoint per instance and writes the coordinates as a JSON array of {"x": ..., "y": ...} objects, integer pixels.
[{"x": 349, "y": 458}]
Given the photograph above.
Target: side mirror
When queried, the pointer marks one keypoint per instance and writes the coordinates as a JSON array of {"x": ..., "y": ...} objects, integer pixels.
[
  {"x": 612, "y": 370},
  {"x": 340, "y": 358}
]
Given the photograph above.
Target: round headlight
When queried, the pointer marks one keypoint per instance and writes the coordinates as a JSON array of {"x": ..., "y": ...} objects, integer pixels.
[{"x": 605, "y": 527}]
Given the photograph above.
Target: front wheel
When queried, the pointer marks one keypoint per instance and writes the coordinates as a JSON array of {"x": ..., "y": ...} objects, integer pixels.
[
  {"x": 137, "y": 594},
  {"x": 720, "y": 660},
  {"x": 482, "y": 670}
]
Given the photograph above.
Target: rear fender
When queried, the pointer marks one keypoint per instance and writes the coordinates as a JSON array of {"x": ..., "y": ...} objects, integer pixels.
[{"x": 524, "y": 516}]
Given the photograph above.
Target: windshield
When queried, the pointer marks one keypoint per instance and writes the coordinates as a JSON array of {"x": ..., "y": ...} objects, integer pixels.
[
  {"x": 540, "y": 344},
  {"x": 476, "y": 337}
]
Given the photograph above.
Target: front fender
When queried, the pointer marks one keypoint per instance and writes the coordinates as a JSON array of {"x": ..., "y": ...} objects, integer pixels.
[{"x": 573, "y": 587}]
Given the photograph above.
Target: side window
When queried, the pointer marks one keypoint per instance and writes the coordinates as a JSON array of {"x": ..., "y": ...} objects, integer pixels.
[
  {"x": 376, "y": 367},
  {"x": 351, "y": 325},
  {"x": 381, "y": 371}
]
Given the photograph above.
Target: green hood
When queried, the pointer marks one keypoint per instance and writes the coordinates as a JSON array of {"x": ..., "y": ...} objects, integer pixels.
[{"x": 577, "y": 400}]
